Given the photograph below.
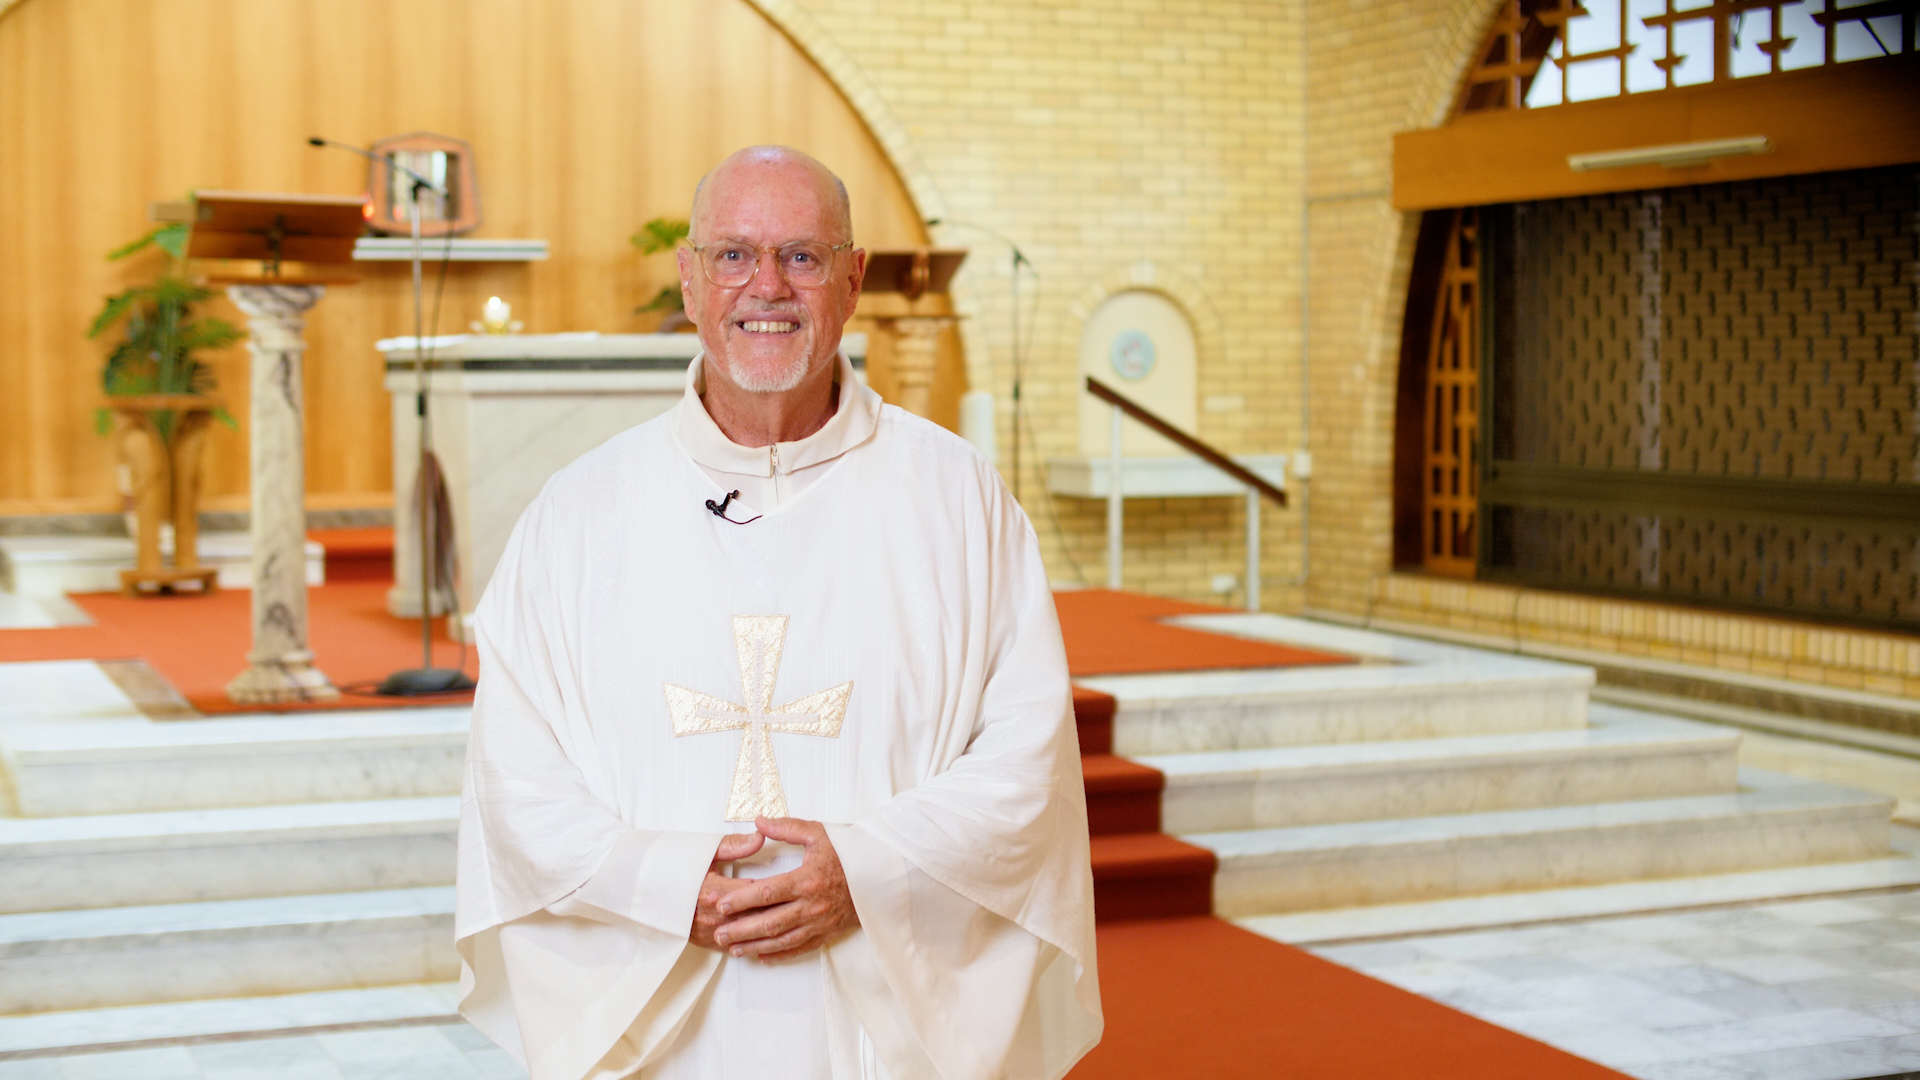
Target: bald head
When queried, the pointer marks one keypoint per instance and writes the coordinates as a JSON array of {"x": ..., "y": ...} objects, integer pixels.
[
  {"x": 780, "y": 166},
  {"x": 767, "y": 340}
]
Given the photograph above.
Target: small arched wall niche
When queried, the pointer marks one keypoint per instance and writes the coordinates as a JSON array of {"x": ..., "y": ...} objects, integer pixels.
[
  {"x": 587, "y": 118},
  {"x": 1141, "y": 343}
]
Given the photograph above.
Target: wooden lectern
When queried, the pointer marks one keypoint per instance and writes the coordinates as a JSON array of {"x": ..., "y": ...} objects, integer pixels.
[
  {"x": 916, "y": 338},
  {"x": 913, "y": 272},
  {"x": 319, "y": 231},
  {"x": 271, "y": 228}
]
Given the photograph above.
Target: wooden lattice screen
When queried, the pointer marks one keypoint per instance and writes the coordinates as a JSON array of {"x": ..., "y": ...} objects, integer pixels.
[
  {"x": 1450, "y": 479},
  {"x": 1710, "y": 393},
  {"x": 1628, "y": 46}
]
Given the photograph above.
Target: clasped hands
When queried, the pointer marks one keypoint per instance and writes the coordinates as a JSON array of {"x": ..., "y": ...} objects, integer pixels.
[{"x": 776, "y": 917}]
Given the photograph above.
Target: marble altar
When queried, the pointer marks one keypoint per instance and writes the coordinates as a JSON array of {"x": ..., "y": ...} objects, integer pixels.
[{"x": 507, "y": 411}]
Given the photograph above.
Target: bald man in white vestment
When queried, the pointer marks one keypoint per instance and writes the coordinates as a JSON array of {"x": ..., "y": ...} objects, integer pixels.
[{"x": 773, "y": 771}]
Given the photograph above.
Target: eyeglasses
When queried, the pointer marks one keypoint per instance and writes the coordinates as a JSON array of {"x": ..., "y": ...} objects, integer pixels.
[{"x": 805, "y": 264}]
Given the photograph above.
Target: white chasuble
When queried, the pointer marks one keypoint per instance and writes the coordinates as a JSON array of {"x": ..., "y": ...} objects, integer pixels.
[{"x": 877, "y": 651}]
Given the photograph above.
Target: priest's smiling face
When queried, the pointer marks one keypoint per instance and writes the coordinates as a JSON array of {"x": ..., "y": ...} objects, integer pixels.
[{"x": 769, "y": 335}]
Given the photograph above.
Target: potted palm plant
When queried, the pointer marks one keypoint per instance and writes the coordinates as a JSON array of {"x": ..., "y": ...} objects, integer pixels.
[
  {"x": 664, "y": 234},
  {"x": 157, "y": 389}
]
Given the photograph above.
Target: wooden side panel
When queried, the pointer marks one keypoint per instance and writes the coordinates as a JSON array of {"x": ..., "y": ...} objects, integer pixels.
[
  {"x": 1849, "y": 116},
  {"x": 1451, "y": 476},
  {"x": 587, "y": 117}
]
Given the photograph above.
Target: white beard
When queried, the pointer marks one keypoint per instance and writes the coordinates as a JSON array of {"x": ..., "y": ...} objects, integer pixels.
[{"x": 770, "y": 380}]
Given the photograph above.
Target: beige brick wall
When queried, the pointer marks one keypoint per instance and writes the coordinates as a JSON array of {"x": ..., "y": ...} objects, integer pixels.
[
  {"x": 1217, "y": 148},
  {"x": 1211, "y": 139},
  {"x": 1373, "y": 68},
  {"x": 1104, "y": 137},
  {"x": 1836, "y": 656}
]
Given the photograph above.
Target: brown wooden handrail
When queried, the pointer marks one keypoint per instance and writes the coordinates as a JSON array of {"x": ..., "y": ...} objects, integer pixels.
[{"x": 1185, "y": 442}]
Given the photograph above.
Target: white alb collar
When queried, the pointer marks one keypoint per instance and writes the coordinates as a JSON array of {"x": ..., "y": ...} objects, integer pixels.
[{"x": 853, "y": 422}]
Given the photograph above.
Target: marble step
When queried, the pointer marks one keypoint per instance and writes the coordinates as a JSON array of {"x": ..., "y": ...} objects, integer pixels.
[
  {"x": 110, "y": 860},
  {"x": 55, "y": 565},
  {"x": 1376, "y": 922},
  {"x": 168, "y": 1023},
  {"x": 1623, "y": 755},
  {"x": 1401, "y": 688},
  {"x": 1772, "y": 821},
  {"x": 86, "y": 959},
  {"x": 136, "y": 766}
]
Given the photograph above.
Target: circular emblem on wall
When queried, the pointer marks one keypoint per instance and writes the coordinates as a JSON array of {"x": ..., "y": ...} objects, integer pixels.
[{"x": 1131, "y": 354}]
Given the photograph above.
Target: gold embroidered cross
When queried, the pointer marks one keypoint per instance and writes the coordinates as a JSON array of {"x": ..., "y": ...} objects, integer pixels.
[{"x": 756, "y": 779}]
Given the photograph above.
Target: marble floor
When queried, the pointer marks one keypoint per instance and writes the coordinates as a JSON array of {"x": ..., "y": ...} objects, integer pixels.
[
  {"x": 39, "y": 612},
  {"x": 1809, "y": 990},
  {"x": 427, "y": 1052}
]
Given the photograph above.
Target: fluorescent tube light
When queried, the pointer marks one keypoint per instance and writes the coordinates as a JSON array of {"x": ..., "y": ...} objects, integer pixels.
[{"x": 1672, "y": 155}]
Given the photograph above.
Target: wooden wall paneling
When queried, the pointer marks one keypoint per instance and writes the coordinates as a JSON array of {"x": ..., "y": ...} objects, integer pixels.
[
  {"x": 1849, "y": 116},
  {"x": 588, "y": 117}
]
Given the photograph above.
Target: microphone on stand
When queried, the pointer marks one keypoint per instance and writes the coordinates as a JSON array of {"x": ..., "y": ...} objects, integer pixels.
[
  {"x": 429, "y": 481},
  {"x": 381, "y": 159},
  {"x": 1019, "y": 257}
]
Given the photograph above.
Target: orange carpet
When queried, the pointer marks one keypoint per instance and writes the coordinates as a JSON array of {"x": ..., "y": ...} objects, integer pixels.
[
  {"x": 1120, "y": 633},
  {"x": 199, "y": 643},
  {"x": 358, "y": 554},
  {"x": 1203, "y": 998}
]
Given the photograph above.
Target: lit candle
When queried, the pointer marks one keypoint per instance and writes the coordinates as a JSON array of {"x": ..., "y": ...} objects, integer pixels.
[{"x": 497, "y": 315}]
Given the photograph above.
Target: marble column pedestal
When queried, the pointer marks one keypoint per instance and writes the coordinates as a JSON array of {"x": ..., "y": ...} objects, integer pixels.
[{"x": 279, "y": 666}]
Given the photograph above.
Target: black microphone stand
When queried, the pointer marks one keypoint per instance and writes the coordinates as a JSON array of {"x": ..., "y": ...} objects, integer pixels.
[{"x": 425, "y": 679}]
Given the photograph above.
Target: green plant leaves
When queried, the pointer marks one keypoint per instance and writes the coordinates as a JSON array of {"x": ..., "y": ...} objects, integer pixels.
[
  {"x": 209, "y": 333},
  {"x": 171, "y": 238},
  {"x": 159, "y": 335},
  {"x": 660, "y": 234},
  {"x": 667, "y": 299},
  {"x": 115, "y": 307}
]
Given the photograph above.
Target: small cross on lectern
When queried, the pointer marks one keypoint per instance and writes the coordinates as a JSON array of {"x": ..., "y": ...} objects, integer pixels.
[{"x": 756, "y": 779}]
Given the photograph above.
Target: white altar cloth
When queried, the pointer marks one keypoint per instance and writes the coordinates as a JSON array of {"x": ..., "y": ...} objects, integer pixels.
[{"x": 508, "y": 411}]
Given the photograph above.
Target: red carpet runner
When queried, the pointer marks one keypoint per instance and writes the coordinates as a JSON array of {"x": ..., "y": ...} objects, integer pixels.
[
  {"x": 1139, "y": 872},
  {"x": 1199, "y": 997},
  {"x": 1119, "y": 633}
]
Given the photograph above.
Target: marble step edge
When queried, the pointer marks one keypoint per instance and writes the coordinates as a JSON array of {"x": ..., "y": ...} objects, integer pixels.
[
  {"x": 127, "y": 1027},
  {"x": 42, "y": 566},
  {"x": 1281, "y": 686},
  {"x": 1606, "y": 662},
  {"x": 71, "y": 550},
  {"x": 248, "y": 825},
  {"x": 112, "y": 741},
  {"x": 1616, "y": 734},
  {"x": 1334, "y": 842},
  {"x": 1344, "y": 636},
  {"x": 1835, "y": 732},
  {"x": 99, "y": 930},
  {"x": 1381, "y": 922}
]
